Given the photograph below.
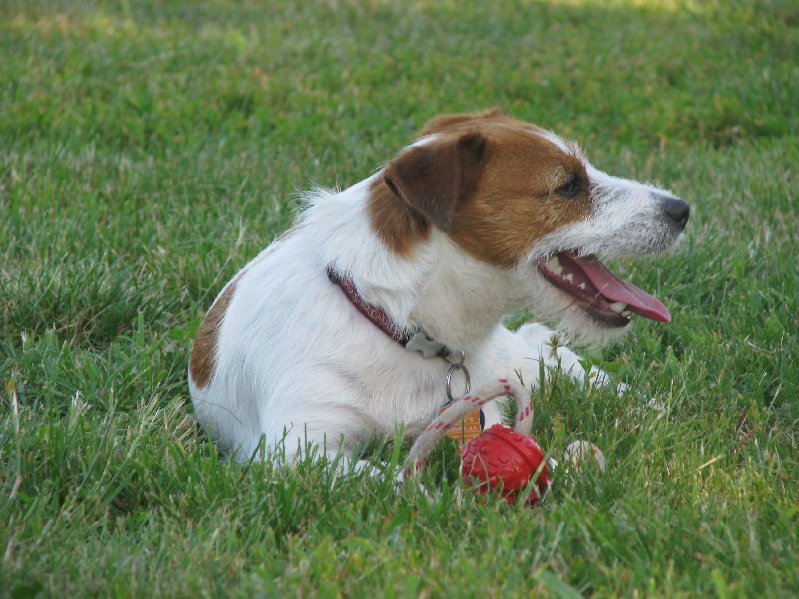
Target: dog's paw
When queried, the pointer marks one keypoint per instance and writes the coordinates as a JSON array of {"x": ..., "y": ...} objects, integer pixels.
[
  {"x": 536, "y": 335},
  {"x": 573, "y": 366},
  {"x": 598, "y": 378},
  {"x": 407, "y": 481},
  {"x": 649, "y": 405}
]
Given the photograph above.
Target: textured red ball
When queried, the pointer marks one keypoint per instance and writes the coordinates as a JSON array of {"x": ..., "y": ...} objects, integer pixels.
[{"x": 505, "y": 461}]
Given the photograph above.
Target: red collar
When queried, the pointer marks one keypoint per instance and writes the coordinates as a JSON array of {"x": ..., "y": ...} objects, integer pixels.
[{"x": 410, "y": 339}]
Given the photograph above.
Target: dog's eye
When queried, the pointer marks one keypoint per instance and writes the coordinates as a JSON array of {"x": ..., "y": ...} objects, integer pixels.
[{"x": 571, "y": 188}]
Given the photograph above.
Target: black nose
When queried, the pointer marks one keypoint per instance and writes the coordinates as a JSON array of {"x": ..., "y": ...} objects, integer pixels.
[{"x": 676, "y": 208}]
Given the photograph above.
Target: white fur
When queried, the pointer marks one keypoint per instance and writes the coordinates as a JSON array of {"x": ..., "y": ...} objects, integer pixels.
[{"x": 295, "y": 360}]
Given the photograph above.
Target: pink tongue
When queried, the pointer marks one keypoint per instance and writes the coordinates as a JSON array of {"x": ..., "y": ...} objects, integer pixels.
[{"x": 616, "y": 290}]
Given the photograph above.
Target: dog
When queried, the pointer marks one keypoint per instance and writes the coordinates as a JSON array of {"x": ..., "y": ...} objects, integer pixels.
[{"x": 384, "y": 297}]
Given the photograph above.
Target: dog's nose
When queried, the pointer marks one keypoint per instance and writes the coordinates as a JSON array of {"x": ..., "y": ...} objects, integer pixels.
[{"x": 676, "y": 209}]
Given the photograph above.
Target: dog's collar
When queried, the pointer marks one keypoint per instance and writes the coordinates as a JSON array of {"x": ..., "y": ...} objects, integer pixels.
[{"x": 411, "y": 339}]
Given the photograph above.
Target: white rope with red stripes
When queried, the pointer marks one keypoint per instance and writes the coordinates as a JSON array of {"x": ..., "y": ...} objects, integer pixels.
[{"x": 462, "y": 406}]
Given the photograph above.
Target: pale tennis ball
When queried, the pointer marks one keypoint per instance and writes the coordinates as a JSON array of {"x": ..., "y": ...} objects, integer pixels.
[{"x": 579, "y": 451}]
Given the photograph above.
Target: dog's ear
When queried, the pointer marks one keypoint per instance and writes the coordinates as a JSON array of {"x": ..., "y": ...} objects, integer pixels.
[{"x": 433, "y": 178}]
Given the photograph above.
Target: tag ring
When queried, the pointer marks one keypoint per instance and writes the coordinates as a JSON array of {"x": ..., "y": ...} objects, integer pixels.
[{"x": 452, "y": 368}]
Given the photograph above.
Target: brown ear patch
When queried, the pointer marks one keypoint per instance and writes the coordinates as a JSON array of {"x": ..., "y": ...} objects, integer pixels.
[
  {"x": 397, "y": 224},
  {"x": 433, "y": 178},
  {"x": 424, "y": 186},
  {"x": 202, "y": 364},
  {"x": 515, "y": 202}
]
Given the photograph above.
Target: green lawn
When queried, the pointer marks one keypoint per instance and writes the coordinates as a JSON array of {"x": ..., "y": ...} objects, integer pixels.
[{"x": 149, "y": 149}]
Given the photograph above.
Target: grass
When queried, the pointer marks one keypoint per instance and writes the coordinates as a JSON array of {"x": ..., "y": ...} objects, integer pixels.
[{"x": 148, "y": 149}]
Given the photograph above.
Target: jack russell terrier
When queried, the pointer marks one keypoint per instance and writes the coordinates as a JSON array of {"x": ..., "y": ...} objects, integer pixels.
[{"x": 366, "y": 314}]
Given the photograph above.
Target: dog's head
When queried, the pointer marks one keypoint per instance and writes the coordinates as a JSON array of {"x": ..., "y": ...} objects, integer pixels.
[{"x": 517, "y": 196}]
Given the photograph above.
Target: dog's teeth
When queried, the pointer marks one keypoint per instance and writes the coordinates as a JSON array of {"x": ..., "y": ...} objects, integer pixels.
[
  {"x": 581, "y": 286},
  {"x": 569, "y": 277},
  {"x": 553, "y": 265},
  {"x": 618, "y": 307},
  {"x": 626, "y": 313}
]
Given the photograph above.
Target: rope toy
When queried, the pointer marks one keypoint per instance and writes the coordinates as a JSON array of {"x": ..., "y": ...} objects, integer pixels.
[
  {"x": 501, "y": 459},
  {"x": 459, "y": 408}
]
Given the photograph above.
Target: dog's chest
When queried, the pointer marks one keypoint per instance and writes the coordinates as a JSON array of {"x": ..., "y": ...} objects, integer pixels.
[{"x": 407, "y": 389}]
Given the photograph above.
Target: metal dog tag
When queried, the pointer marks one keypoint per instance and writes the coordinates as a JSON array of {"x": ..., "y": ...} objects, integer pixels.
[{"x": 420, "y": 342}]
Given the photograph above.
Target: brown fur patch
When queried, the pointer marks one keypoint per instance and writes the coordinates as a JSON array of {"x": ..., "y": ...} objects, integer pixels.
[
  {"x": 516, "y": 202},
  {"x": 488, "y": 180},
  {"x": 424, "y": 186},
  {"x": 399, "y": 226},
  {"x": 432, "y": 179},
  {"x": 202, "y": 364}
]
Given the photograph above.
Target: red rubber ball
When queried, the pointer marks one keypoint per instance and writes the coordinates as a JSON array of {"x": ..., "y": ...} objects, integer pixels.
[{"x": 505, "y": 461}]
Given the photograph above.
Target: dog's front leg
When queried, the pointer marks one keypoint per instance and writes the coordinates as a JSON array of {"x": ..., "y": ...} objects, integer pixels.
[
  {"x": 539, "y": 339},
  {"x": 334, "y": 433},
  {"x": 529, "y": 352}
]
